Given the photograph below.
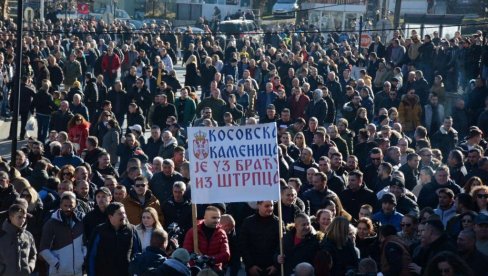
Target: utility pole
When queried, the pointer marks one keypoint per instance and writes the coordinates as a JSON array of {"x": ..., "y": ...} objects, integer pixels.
[
  {"x": 66, "y": 11},
  {"x": 360, "y": 32},
  {"x": 41, "y": 11},
  {"x": 18, "y": 79},
  {"x": 396, "y": 18}
]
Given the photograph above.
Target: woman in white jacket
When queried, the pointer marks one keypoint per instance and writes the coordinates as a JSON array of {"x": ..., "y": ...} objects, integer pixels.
[{"x": 149, "y": 222}]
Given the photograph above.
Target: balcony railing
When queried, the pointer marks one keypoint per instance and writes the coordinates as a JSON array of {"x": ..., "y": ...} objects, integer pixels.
[{"x": 338, "y": 2}]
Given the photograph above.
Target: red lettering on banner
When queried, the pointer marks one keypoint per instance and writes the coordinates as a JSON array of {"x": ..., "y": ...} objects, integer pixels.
[
  {"x": 201, "y": 166},
  {"x": 199, "y": 183},
  {"x": 203, "y": 182},
  {"x": 224, "y": 180}
]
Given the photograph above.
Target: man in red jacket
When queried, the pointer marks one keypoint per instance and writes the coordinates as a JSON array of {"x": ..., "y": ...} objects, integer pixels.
[
  {"x": 212, "y": 239},
  {"x": 110, "y": 66}
]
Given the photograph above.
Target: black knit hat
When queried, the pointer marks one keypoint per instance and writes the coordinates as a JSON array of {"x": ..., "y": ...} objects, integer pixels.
[{"x": 389, "y": 197}]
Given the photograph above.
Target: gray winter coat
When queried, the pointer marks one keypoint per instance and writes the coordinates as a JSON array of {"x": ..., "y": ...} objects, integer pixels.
[
  {"x": 110, "y": 143},
  {"x": 18, "y": 252}
]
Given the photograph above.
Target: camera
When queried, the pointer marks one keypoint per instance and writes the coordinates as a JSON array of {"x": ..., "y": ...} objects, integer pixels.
[{"x": 202, "y": 261}]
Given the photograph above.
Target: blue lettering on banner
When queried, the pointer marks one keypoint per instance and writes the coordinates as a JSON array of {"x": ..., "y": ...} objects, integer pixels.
[
  {"x": 239, "y": 134},
  {"x": 252, "y": 150}
]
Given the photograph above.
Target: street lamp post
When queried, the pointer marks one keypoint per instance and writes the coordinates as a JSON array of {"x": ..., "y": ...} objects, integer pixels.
[
  {"x": 18, "y": 78},
  {"x": 115, "y": 8}
]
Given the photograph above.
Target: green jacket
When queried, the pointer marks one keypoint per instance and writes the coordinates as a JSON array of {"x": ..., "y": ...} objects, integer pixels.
[{"x": 186, "y": 110}]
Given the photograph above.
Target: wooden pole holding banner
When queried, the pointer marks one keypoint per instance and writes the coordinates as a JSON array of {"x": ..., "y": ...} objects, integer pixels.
[
  {"x": 195, "y": 229},
  {"x": 280, "y": 216}
]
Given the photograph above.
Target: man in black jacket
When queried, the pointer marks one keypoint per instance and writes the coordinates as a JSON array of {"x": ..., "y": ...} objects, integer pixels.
[
  {"x": 97, "y": 216},
  {"x": 446, "y": 138},
  {"x": 162, "y": 111},
  {"x": 56, "y": 74},
  {"x": 384, "y": 177},
  {"x": 119, "y": 100},
  {"x": 317, "y": 107},
  {"x": 357, "y": 194},
  {"x": 208, "y": 72},
  {"x": 331, "y": 106},
  {"x": 113, "y": 244},
  {"x": 371, "y": 170},
  {"x": 428, "y": 196},
  {"x": 334, "y": 182},
  {"x": 91, "y": 94},
  {"x": 42, "y": 73},
  {"x": 411, "y": 170},
  {"x": 433, "y": 240},
  {"x": 60, "y": 118},
  {"x": 140, "y": 95},
  {"x": 8, "y": 195},
  {"x": 44, "y": 105},
  {"x": 178, "y": 210},
  {"x": 229, "y": 225},
  {"x": 161, "y": 183},
  {"x": 154, "y": 142},
  {"x": 27, "y": 93},
  {"x": 259, "y": 239},
  {"x": 318, "y": 193},
  {"x": 335, "y": 89},
  {"x": 466, "y": 244}
]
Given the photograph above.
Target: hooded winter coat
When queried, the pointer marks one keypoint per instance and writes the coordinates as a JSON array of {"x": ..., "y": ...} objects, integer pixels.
[
  {"x": 410, "y": 113},
  {"x": 167, "y": 148}
]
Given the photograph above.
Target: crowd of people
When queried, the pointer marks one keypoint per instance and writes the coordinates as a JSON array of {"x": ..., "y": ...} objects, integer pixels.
[{"x": 380, "y": 173}]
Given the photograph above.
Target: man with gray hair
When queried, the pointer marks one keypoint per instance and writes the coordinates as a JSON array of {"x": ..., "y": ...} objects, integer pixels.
[
  {"x": 304, "y": 269},
  {"x": 60, "y": 118},
  {"x": 161, "y": 183},
  {"x": 317, "y": 107},
  {"x": 177, "y": 210}
]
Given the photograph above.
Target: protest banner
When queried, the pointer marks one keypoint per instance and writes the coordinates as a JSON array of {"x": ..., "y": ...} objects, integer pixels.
[{"x": 234, "y": 164}]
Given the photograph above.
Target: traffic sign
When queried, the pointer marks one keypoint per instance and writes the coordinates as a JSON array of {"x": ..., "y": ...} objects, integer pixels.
[{"x": 365, "y": 40}]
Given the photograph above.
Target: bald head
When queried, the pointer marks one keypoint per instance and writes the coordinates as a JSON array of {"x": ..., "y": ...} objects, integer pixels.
[{"x": 304, "y": 269}]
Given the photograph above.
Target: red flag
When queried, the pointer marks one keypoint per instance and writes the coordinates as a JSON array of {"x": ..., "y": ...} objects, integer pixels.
[{"x": 83, "y": 8}]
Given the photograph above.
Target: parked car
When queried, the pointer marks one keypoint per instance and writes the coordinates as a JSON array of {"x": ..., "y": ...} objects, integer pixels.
[
  {"x": 285, "y": 8},
  {"x": 239, "y": 28},
  {"x": 182, "y": 30},
  {"x": 103, "y": 14}
]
